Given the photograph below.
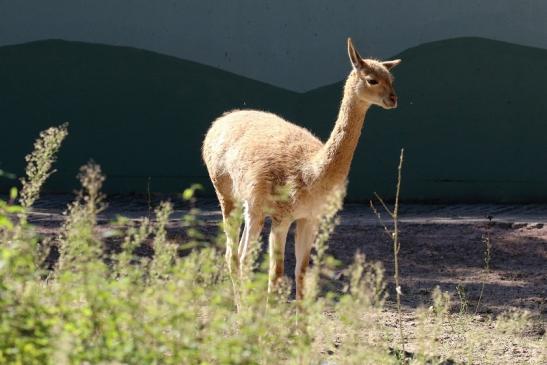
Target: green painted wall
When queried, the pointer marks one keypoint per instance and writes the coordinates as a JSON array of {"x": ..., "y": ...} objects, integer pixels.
[
  {"x": 471, "y": 118},
  {"x": 291, "y": 44},
  {"x": 139, "y": 114}
]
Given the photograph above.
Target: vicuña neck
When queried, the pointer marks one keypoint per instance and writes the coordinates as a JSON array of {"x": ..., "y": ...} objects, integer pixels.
[{"x": 334, "y": 159}]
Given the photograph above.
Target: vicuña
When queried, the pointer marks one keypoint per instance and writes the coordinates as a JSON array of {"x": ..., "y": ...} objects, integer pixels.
[{"x": 253, "y": 157}]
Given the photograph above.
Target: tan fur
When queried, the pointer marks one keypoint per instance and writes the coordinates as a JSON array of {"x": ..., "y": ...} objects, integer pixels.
[{"x": 278, "y": 169}]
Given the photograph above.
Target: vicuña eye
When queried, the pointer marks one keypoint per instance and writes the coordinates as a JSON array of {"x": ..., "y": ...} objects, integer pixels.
[{"x": 372, "y": 81}]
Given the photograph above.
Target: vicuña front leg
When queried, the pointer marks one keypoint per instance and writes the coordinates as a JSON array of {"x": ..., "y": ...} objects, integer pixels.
[
  {"x": 278, "y": 238},
  {"x": 306, "y": 230}
]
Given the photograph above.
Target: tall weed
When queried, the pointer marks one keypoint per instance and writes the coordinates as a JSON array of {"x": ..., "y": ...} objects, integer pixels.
[{"x": 178, "y": 306}]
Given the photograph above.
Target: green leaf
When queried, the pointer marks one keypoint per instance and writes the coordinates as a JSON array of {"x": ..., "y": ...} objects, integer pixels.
[
  {"x": 7, "y": 174},
  {"x": 14, "y": 209},
  {"x": 6, "y": 222},
  {"x": 13, "y": 193},
  {"x": 189, "y": 193}
]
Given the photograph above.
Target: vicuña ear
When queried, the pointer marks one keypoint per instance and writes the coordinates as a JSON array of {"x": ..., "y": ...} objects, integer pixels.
[
  {"x": 390, "y": 64},
  {"x": 355, "y": 58}
]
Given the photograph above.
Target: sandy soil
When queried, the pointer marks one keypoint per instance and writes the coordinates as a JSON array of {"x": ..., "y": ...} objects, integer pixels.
[{"x": 440, "y": 245}]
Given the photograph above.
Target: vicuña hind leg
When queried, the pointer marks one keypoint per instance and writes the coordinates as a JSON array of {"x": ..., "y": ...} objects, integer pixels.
[
  {"x": 254, "y": 220},
  {"x": 231, "y": 225},
  {"x": 277, "y": 240},
  {"x": 306, "y": 230}
]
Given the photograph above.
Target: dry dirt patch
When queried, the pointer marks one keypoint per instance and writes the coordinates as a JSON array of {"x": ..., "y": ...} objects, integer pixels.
[{"x": 441, "y": 245}]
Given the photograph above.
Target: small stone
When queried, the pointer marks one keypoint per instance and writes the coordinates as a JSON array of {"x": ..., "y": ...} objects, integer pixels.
[{"x": 479, "y": 318}]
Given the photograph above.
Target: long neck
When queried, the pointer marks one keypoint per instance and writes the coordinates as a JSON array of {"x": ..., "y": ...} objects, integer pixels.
[{"x": 334, "y": 159}]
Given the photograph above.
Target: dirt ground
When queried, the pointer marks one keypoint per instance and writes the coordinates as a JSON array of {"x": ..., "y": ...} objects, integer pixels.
[{"x": 440, "y": 245}]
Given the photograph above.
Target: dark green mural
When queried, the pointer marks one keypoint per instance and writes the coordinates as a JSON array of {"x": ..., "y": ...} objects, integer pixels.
[
  {"x": 471, "y": 118},
  {"x": 139, "y": 114}
]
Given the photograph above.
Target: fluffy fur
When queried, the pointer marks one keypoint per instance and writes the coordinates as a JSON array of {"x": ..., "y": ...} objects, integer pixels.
[{"x": 278, "y": 169}]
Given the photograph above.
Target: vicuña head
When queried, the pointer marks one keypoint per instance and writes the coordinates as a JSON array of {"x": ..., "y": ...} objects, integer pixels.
[
  {"x": 374, "y": 81},
  {"x": 251, "y": 155}
]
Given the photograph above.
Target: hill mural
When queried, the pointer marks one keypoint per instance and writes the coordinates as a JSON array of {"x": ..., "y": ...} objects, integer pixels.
[
  {"x": 471, "y": 118},
  {"x": 141, "y": 115}
]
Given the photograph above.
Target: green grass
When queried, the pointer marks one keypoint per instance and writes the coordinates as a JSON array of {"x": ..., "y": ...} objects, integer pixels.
[{"x": 97, "y": 307}]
